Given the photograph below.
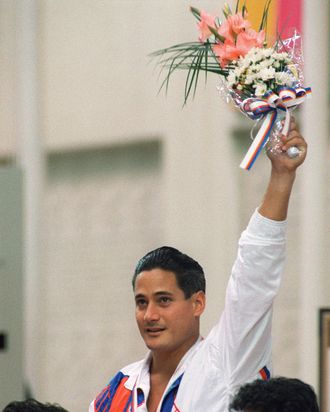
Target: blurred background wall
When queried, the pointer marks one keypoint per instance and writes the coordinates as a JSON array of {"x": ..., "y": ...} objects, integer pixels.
[{"x": 110, "y": 170}]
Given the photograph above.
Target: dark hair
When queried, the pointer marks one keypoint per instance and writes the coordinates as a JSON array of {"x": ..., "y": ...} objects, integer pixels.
[
  {"x": 189, "y": 273},
  {"x": 31, "y": 405},
  {"x": 275, "y": 395}
]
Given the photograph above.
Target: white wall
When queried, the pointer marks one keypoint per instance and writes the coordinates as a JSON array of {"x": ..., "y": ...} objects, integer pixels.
[{"x": 98, "y": 102}]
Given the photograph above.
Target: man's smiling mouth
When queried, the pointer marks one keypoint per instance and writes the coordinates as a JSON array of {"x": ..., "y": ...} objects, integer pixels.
[{"x": 154, "y": 330}]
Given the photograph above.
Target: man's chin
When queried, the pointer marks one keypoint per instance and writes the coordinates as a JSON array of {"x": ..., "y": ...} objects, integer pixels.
[
  {"x": 156, "y": 346},
  {"x": 153, "y": 345}
]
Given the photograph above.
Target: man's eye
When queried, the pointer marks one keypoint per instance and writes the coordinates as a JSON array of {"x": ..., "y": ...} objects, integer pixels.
[
  {"x": 165, "y": 300},
  {"x": 141, "y": 303}
]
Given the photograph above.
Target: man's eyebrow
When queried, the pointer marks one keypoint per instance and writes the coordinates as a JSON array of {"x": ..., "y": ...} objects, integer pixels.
[
  {"x": 139, "y": 296},
  {"x": 163, "y": 292},
  {"x": 159, "y": 293}
]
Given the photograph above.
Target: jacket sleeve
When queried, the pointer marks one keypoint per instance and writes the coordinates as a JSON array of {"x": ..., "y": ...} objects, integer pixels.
[{"x": 243, "y": 336}]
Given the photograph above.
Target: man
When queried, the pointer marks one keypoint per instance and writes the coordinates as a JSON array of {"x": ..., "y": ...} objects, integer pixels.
[
  {"x": 275, "y": 395},
  {"x": 183, "y": 372},
  {"x": 31, "y": 405}
]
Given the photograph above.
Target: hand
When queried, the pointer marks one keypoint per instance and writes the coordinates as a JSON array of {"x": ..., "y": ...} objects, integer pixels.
[
  {"x": 281, "y": 162},
  {"x": 276, "y": 200}
]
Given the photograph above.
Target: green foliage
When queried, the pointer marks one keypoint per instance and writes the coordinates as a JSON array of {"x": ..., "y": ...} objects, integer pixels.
[{"x": 193, "y": 57}]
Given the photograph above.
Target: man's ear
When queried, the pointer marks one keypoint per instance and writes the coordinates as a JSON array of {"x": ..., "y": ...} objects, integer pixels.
[{"x": 199, "y": 301}]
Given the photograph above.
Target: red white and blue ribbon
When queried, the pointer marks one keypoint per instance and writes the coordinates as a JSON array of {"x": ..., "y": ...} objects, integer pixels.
[{"x": 268, "y": 108}]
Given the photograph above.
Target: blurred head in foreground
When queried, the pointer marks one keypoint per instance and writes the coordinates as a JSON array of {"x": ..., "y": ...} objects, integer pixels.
[
  {"x": 275, "y": 395},
  {"x": 31, "y": 405}
]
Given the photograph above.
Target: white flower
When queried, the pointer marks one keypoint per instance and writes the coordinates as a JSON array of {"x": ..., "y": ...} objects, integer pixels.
[
  {"x": 284, "y": 78},
  {"x": 258, "y": 54},
  {"x": 267, "y": 74},
  {"x": 255, "y": 58},
  {"x": 261, "y": 69},
  {"x": 250, "y": 57},
  {"x": 267, "y": 63},
  {"x": 280, "y": 56},
  {"x": 261, "y": 89},
  {"x": 269, "y": 52},
  {"x": 255, "y": 68},
  {"x": 244, "y": 64},
  {"x": 250, "y": 78},
  {"x": 238, "y": 71}
]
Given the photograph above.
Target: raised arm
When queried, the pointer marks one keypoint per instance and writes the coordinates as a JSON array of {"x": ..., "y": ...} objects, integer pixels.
[
  {"x": 238, "y": 349},
  {"x": 256, "y": 275},
  {"x": 276, "y": 200}
]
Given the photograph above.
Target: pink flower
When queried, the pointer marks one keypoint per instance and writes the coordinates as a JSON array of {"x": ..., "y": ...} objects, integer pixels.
[
  {"x": 233, "y": 25},
  {"x": 238, "y": 23},
  {"x": 226, "y": 52},
  {"x": 248, "y": 39},
  {"x": 225, "y": 30},
  {"x": 206, "y": 22},
  {"x": 245, "y": 41}
]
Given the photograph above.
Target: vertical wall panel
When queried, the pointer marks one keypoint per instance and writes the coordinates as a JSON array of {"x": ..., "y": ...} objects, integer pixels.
[{"x": 11, "y": 285}]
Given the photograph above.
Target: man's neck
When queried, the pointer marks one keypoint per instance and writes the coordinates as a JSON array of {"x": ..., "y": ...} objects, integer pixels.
[
  {"x": 162, "y": 368},
  {"x": 165, "y": 363}
]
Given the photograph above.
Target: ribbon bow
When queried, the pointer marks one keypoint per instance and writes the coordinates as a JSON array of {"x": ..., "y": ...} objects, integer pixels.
[{"x": 268, "y": 108}]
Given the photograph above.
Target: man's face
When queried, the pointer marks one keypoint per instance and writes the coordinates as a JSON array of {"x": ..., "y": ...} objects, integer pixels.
[{"x": 168, "y": 322}]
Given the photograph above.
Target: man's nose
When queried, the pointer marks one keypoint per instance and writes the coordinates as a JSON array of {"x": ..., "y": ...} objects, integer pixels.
[{"x": 151, "y": 314}]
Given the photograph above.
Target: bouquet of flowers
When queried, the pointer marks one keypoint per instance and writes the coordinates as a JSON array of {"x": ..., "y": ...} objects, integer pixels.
[{"x": 262, "y": 80}]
